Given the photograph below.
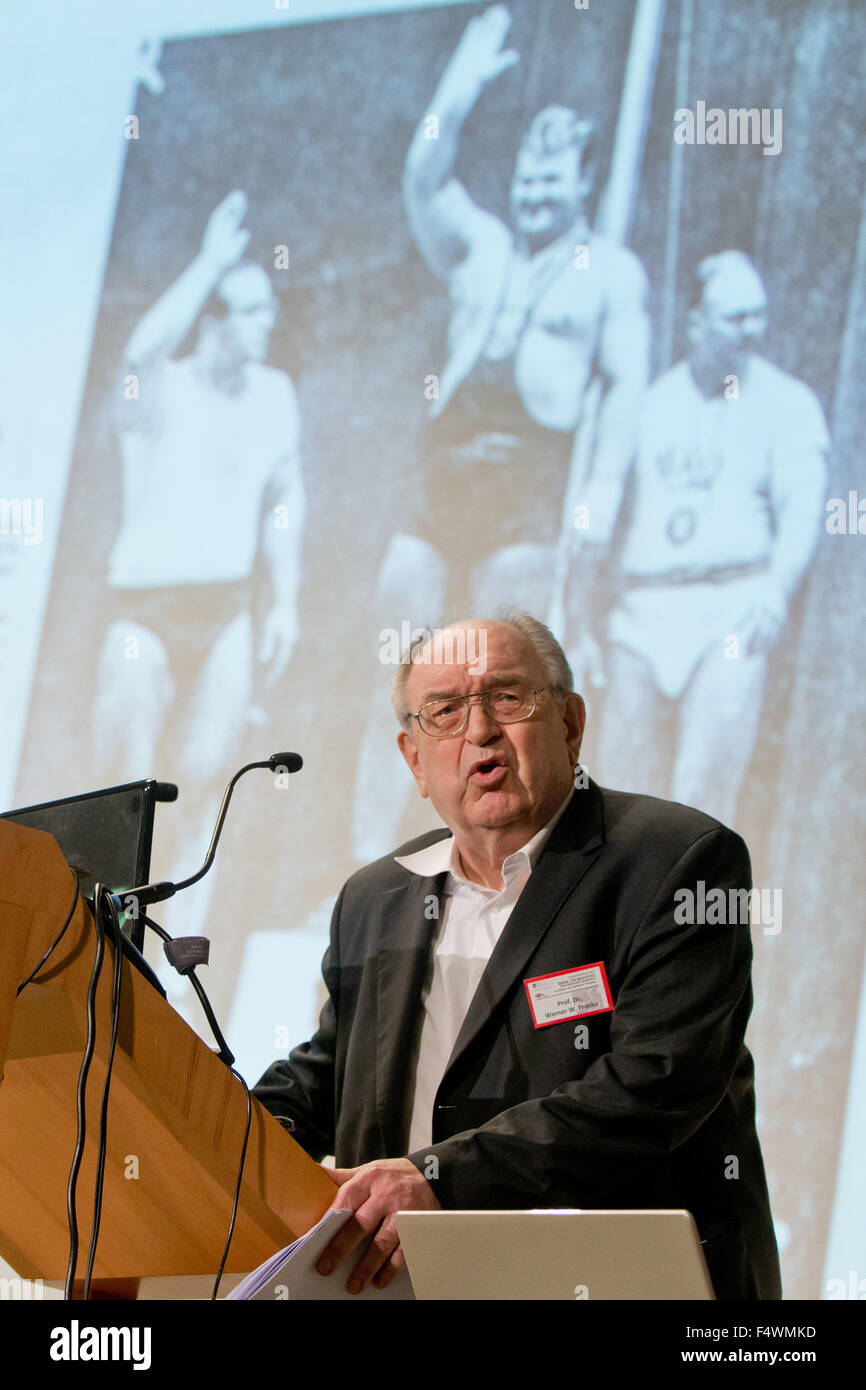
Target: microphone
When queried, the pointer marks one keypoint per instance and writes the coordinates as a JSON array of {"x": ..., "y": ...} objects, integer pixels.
[
  {"x": 158, "y": 892},
  {"x": 283, "y": 762}
]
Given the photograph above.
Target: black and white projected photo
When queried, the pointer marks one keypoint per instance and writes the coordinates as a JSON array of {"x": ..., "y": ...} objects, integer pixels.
[{"x": 329, "y": 324}]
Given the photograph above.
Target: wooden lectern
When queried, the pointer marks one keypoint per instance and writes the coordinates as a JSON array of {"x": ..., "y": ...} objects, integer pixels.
[{"x": 176, "y": 1113}]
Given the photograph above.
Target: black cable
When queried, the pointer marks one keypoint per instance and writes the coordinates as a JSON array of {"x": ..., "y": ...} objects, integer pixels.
[
  {"x": 236, "y": 1201},
  {"x": 57, "y": 939},
  {"x": 225, "y": 1053},
  {"x": 228, "y": 1058},
  {"x": 103, "y": 898},
  {"x": 160, "y": 931},
  {"x": 86, "y": 1059}
]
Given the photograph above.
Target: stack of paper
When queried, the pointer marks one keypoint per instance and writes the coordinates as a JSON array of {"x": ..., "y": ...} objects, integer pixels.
[{"x": 292, "y": 1273}]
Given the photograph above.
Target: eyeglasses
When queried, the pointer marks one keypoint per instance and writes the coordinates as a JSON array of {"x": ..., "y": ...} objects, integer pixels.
[{"x": 445, "y": 717}]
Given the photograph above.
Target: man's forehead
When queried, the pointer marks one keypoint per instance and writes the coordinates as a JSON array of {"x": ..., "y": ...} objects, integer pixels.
[
  {"x": 740, "y": 292},
  {"x": 530, "y": 165},
  {"x": 471, "y": 655},
  {"x": 247, "y": 288}
]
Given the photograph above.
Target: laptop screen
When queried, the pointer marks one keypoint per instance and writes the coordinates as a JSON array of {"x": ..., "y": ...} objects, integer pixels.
[{"x": 105, "y": 836}]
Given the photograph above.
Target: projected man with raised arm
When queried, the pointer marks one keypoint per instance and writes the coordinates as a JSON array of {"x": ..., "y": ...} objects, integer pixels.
[
  {"x": 540, "y": 310},
  {"x": 211, "y": 474}
]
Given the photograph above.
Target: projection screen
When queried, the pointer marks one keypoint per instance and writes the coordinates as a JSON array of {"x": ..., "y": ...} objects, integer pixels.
[{"x": 246, "y": 452}]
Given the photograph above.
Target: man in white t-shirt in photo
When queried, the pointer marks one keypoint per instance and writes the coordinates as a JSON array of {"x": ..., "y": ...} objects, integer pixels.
[
  {"x": 728, "y": 495},
  {"x": 211, "y": 481}
]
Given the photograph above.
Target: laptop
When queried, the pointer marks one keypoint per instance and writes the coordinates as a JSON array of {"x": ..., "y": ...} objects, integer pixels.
[
  {"x": 554, "y": 1254},
  {"x": 105, "y": 836}
]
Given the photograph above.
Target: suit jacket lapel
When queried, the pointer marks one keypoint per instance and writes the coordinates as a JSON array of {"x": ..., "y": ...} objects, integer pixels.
[
  {"x": 573, "y": 847},
  {"x": 405, "y": 936}
]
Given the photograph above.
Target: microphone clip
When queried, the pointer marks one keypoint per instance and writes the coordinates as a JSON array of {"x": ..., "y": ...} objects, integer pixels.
[{"x": 186, "y": 952}]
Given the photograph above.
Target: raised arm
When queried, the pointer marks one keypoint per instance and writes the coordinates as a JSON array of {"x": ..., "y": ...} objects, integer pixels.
[
  {"x": 163, "y": 328},
  {"x": 438, "y": 206}
]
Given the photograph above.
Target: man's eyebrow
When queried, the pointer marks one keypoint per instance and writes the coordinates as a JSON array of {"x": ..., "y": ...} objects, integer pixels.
[{"x": 494, "y": 683}]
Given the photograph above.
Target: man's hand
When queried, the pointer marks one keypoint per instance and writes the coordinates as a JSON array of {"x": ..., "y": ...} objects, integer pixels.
[
  {"x": 374, "y": 1192},
  {"x": 225, "y": 240},
  {"x": 586, "y": 601},
  {"x": 479, "y": 57},
  {"x": 764, "y": 621},
  {"x": 279, "y": 635}
]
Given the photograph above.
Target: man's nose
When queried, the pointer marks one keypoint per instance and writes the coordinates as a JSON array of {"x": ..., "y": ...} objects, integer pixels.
[{"x": 480, "y": 726}]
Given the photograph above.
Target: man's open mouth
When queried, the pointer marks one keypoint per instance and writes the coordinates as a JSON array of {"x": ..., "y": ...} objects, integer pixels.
[{"x": 489, "y": 773}]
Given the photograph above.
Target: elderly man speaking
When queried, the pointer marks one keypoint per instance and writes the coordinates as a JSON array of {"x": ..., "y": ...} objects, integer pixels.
[{"x": 445, "y": 1073}]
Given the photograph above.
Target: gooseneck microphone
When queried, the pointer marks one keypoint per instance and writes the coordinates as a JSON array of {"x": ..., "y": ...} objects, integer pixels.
[
  {"x": 184, "y": 954},
  {"x": 159, "y": 892}
]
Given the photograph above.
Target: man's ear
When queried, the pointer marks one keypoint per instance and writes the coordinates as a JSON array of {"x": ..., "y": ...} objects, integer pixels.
[
  {"x": 586, "y": 180},
  {"x": 695, "y": 325},
  {"x": 574, "y": 716},
  {"x": 409, "y": 749}
]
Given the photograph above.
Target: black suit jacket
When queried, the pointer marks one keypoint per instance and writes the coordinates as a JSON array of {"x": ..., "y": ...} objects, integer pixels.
[{"x": 658, "y": 1110}]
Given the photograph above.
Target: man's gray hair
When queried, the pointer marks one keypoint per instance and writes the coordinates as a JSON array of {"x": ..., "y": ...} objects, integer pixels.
[
  {"x": 550, "y": 653},
  {"x": 722, "y": 263},
  {"x": 554, "y": 129}
]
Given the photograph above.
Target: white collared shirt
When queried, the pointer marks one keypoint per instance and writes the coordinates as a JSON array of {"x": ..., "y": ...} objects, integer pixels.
[{"x": 471, "y": 921}]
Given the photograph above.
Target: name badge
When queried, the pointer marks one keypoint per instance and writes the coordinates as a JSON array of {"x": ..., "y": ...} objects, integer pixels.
[{"x": 569, "y": 994}]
